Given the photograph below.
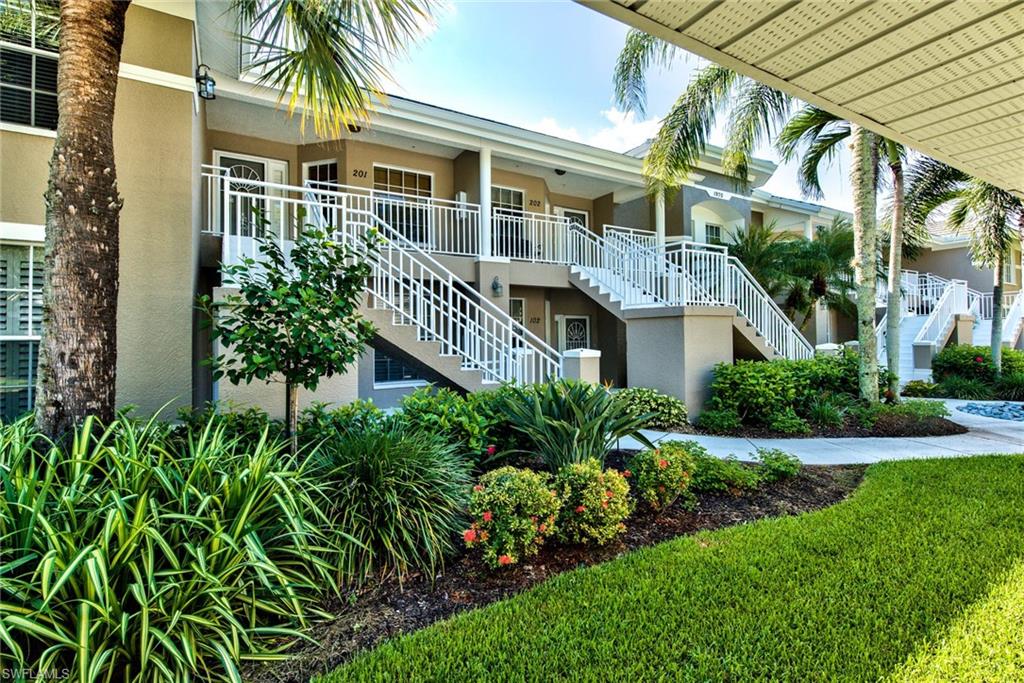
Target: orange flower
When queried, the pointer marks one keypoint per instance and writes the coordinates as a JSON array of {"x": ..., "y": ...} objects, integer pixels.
[
  {"x": 627, "y": 474},
  {"x": 504, "y": 559},
  {"x": 609, "y": 494},
  {"x": 580, "y": 508},
  {"x": 488, "y": 516},
  {"x": 484, "y": 536},
  {"x": 542, "y": 528},
  {"x": 469, "y": 535},
  {"x": 663, "y": 463},
  {"x": 478, "y": 488}
]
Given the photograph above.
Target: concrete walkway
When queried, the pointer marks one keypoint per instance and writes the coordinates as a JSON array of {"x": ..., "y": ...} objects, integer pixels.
[{"x": 986, "y": 435}]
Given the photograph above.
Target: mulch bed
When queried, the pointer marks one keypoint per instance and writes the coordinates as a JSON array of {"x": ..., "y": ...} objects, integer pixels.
[
  {"x": 387, "y": 610},
  {"x": 887, "y": 425}
]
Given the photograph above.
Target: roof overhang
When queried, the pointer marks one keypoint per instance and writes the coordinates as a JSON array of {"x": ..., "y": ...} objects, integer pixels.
[{"x": 940, "y": 76}]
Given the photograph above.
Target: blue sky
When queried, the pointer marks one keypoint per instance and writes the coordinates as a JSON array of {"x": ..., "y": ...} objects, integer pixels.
[{"x": 547, "y": 66}]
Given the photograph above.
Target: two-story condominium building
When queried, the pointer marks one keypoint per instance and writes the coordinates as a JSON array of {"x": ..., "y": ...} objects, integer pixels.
[{"x": 506, "y": 254}]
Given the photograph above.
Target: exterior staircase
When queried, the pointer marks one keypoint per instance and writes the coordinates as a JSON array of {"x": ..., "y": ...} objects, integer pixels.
[{"x": 631, "y": 279}]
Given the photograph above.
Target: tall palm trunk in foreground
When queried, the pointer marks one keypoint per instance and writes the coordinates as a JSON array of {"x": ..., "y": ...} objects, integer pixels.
[
  {"x": 894, "y": 307},
  {"x": 865, "y": 246},
  {"x": 78, "y": 354}
]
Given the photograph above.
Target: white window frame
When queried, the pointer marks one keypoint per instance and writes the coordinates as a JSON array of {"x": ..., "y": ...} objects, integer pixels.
[
  {"x": 522, "y": 301},
  {"x": 306, "y": 165},
  {"x": 33, "y": 379},
  {"x": 1009, "y": 269},
  {"x": 520, "y": 190},
  {"x": 707, "y": 233}
]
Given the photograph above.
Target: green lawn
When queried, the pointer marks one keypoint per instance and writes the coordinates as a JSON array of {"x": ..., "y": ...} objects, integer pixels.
[{"x": 919, "y": 576}]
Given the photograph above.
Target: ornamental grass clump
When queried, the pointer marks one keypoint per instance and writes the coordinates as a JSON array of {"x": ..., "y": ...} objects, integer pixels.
[
  {"x": 595, "y": 503},
  {"x": 133, "y": 556},
  {"x": 513, "y": 511},
  {"x": 397, "y": 492},
  {"x": 659, "y": 476}
]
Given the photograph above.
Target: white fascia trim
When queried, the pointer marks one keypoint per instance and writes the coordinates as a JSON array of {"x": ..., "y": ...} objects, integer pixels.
[
  {"x": 28, "y": 130},
  {"x": 157, "y": 77},
  {"x": 22, "y": 232},
  {"x": 943, "y": 245}
]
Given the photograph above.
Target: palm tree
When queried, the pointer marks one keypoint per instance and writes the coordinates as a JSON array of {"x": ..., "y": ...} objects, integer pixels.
[
  {"x": 821, "y": 133},
  {"x": 820, "y": 272},
  {"x": 763, "y": 252},
  {"x": 333, "y": 52},
  {"x": 755, "y": 113},
  {"x": 992, "y": 216}
]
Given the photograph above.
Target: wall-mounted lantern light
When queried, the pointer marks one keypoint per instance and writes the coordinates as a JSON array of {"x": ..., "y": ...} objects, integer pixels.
[
  {"x": 559, "y": 171},
  {"x": 207, "y": 86},
  {"x": 496, "y": 286}
]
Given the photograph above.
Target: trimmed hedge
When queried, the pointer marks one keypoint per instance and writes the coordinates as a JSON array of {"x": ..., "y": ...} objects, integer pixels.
[{"x": 974, "y": 362}]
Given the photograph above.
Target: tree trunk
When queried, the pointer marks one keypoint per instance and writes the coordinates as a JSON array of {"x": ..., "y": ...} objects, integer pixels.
[
  {"x": 894, "y": 306},
  {"x": 291, "y": 415},
  {"x": 997, "y": 313},
  {"x": 78, "y": 354},
  {"x": 865, "y": 249}
]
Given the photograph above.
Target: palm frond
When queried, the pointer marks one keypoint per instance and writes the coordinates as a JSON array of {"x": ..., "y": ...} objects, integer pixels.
[
  {"x": 803, "y": 128},
  {"x": 685, "y": 130},
  {"x": 636, "y": 57},
  {"x": 757, "y": 112},
  {"x": 331, "y": 56}
]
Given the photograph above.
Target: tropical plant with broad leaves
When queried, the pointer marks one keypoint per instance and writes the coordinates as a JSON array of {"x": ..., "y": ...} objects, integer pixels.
[
  {"x": 571, "y": 422},
  {"x": 991, "y": 216},
  {"x": 328, "y": 59}
]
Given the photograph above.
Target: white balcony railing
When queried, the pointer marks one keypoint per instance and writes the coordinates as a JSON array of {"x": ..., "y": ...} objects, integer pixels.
[{"x": 527, "y": 236}]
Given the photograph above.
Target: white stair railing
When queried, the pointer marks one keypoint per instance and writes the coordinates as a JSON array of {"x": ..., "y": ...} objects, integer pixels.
[
  {"x": 1013, "y": 319},
  {"x": 953, "y": 300},
  {"x": 417, "y": 289}
]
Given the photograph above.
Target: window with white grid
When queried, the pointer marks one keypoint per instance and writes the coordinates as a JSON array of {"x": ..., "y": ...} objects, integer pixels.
[
  {"x": 28, "y": 62},
  {"x": 21, "y": 320}
]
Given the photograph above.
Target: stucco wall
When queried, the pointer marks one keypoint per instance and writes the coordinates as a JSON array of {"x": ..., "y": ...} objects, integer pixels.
[
  {"x": 953, "y": 264},
  {"x": 361, "y": 156},
  {"x": 24, "y": 165}
]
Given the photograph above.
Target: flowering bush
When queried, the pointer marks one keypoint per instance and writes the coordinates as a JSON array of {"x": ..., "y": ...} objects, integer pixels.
[
  {"x": 659, "y": 476},
  {"x": 594, "y": 503},
  {"x": 514, "y": 511}
]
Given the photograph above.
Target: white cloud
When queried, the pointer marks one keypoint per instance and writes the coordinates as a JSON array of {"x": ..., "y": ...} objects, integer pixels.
[{"x": 623, "y": 133}]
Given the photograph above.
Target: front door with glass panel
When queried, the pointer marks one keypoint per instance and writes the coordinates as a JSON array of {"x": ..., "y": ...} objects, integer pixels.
[
  {"x": 249, "y": 211},
  {"x": 323, "y": 175},
  {"x": 401, "y": 199},
  {"x": 574, "y": 332}
]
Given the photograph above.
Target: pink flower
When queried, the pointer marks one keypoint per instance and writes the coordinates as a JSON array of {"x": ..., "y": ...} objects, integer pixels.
[
  {"x": 627, "y": 474},
  {"x": 504, "y": 559},
  {"x": 609, "y": 494},
  {"x": 663, "y": 463},
  {"x": 478, "y": 488},
  {"x": 580, "y": 508},
  {"x": 979, "y": 359},
  {"x": 488, "y": 516},
  {"x": 469, "y": 535},
  {"x": 492, "y": 449}
]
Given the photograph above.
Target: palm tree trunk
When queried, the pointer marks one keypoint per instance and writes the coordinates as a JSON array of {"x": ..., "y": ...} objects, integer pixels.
[
  {"x": 865, "y": 250},
  {"x": 894, "y": 306},
  {"x": 78, "y": 355},
  {"x": 997, "y": 313}
]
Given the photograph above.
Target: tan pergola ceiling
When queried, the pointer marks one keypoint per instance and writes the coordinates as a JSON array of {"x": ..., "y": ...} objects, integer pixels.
[{"x": 941, "y": 76}]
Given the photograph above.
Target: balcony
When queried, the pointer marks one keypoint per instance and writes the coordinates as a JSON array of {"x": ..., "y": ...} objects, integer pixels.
[{"x": 437, "y": 226}]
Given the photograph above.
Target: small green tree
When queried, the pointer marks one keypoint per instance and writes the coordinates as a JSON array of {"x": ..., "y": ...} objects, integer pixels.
[{"x": 295, "y": 319}]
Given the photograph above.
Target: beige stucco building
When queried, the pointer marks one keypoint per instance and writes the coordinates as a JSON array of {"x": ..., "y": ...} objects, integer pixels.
[{"x": 533, "y": 252}]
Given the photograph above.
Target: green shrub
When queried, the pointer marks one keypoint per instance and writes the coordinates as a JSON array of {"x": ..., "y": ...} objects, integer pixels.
[
  {"x": 594, "y": 503},
  {"x": 570, "y": 422},
  {"x": 752, "y": 389},
  {"x": 719, "y": 420},
  {"x": 660, "y": 476},
  {"x": 969, "y": 388},
  {"x": 914, "y": 410},
  {"x": 449, "y": 413},
  {"x": 132, "y": 556},
  {"x": 776, "y": 464},
  {"x": 786, "y": 421},
  {"x": 319, "y": 419},
  {"x": 399, "y": 492},
  {"x": 828, "y": 411},
  {"x": 514, "y": 511},
  {"x": 1010, "y": 387},
  {"x": 247, "y": 424},
  {"x": 974, "y": 362},
  {"x": 717, "y": 474},
  {"x": 661, "y": 410},
  {"x": 919, "y": 388}
]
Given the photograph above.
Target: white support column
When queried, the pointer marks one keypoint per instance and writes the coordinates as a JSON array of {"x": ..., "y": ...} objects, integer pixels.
[
  {"x": 809, "y": 229},
  {"x": 659, "y": 219},
  {"x": 485, "y": 202}
]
